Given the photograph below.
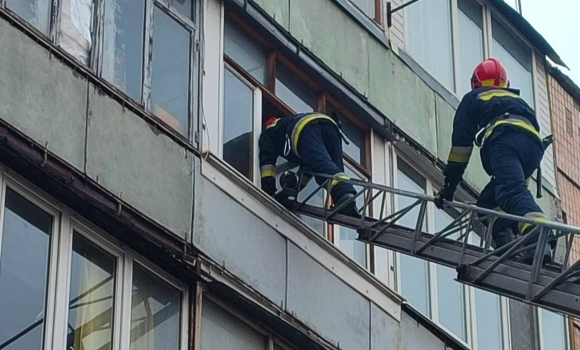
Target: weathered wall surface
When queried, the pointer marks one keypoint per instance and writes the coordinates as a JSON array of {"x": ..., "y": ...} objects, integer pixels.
[{"x": 54, "y": 106}]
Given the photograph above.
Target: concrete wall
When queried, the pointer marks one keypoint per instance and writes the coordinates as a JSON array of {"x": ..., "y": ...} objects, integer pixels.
[
  {"x": 54, "y": 106},
  {"x": 288, "y": 275}
]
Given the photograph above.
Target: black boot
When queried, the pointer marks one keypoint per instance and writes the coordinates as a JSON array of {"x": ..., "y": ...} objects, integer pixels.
[{"x": 350, "y": 209}]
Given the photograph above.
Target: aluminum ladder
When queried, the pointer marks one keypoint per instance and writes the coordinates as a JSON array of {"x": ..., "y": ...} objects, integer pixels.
[{"x": 555, "y": 286}]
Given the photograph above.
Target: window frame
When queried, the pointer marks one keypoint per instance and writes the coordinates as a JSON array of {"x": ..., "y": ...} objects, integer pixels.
[
  {"x": 377, "y": 19},
  {"x": 540, "y": 329},
  {"x": 268, "y": 91},
  {"x": 469, "y": 300},
  {"x": 65, "y": 224},
  {"x": 488, "y": 13}
]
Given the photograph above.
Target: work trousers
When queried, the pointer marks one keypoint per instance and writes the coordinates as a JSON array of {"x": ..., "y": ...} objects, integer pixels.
[
  {"x": 320, "y": 151},
  {"x": 510, "y": 158}
]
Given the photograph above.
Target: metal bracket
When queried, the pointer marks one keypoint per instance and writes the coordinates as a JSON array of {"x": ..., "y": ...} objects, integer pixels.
[{"x": 391, "y": 10}]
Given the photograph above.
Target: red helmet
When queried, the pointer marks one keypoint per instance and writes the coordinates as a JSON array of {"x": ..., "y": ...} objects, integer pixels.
[{"x": 490, "y": 72}]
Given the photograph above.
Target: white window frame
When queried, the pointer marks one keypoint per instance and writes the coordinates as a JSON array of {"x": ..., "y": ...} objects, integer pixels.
[
  {"x": 540, "y": 328},
  {"x": 256, "y": 122},
  {"x": 65, "y": 224},
  {"x": 468, "y": 292}
]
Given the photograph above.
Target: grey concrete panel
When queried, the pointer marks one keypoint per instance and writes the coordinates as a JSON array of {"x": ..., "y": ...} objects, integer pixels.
[
  {"x": 126, "y": 155},
  {"x": 279, "y": 10},
  {"x": 521, "y": 325},
  {"x": 244, "y": 244},
  {"x": 41, "y": 96},
  {"x": 385, "y": 331},
  {"x": 414, "y": 336},
  {"x": 325, "y": 303}
]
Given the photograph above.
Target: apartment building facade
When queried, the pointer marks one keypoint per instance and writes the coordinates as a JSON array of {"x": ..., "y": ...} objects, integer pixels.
[
  {"x": 130, "y": 208},
  {"x": 564, "y": 97}
]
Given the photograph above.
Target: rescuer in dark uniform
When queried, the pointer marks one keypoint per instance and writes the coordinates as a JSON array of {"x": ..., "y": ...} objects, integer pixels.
[
  {"x": 315, "y": 142},
  {"x": 502, "y": 124}
]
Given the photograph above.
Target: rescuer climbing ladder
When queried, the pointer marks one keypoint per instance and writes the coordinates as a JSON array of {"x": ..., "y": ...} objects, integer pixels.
[{"x": 555, "y": 286}]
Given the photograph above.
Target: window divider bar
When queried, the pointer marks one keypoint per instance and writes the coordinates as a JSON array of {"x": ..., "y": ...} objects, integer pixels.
[{"x": 148, "y": 54}]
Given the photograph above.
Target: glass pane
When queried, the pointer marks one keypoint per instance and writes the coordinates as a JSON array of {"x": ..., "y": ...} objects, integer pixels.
[
  {"x": 23, "y": 273},
  {"x": 244, "y": 51},
  {"x": 415, "y": 282},
  {"x": 414, "y": 274},
  {"x": 155, "y": 315},
  {"x": 170, "y": 76},
  {"x": 450, "y": 301},
  {"x": 553, "y": 331},
  {"x": 517, "y": 58},
  {"x": 91, "y": 297},
  {"x": 442, "y": 220},
  {"x": 185, "y": 7},
  {"x": 220, "y": 330},
  {"x": 293, "y": 91},
  {"x": 488, "y": 315},
  {"x": 348, "y": 243},
  {"x": 238, "y": 124},
  {"x": 428, "y": 38},
  {"x": 356, "y": 137},
  {"x": 123, "y": 34},
  {"x": 366, "y": 6},
  {"x": 35, "y": 12},
  {"x": 470, "y": 41}
]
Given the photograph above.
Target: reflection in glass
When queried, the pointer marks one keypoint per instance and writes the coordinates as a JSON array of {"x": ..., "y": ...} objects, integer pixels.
[
  {"x": 470, "y": 41},
  {"x": 170, "y": 76},
  {"x": 348, "y": 243},
  {"x": 35, "y": 12},
  {"x": 428, "y": 38},
  {"x": 23, "y": 273},
  {"x": 245, "y": 51},
  {"x": 238, "y": 124},
  {"x": 293, "y": 91},
  {"x": 488, "y": 314},
  {"x": 450, "y": 295},
  {"x": 123, "y": 35},
  {"x": 553, "y": 331},
  {"x": 155, "y": 313},
  {"x": 414, "y": 276},
  {"x": 91, "y": 297}
]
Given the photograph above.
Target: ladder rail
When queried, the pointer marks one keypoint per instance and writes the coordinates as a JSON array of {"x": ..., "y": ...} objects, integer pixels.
[{"x": 477, "y": 265}]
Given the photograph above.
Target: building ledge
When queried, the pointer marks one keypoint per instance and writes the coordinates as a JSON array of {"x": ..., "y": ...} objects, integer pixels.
[{"x": 296, "y": 231}]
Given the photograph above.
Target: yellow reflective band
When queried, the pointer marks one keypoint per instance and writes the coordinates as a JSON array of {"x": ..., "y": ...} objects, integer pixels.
[
  {"x": 301, "y": 125},
  {"x": 518, "y": 123},
  {"x": 268, "y": 173},
  {"x": 337, "y": 181},
  {"x": 491, "y": 82},
  {"x": 488, "y": 95},
  {"x": 458, "y": 158},
  {"x": 460, "y": 154}
]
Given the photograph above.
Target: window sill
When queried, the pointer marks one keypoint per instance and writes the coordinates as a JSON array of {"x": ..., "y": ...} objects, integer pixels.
[{"x": 296, "y": 231}]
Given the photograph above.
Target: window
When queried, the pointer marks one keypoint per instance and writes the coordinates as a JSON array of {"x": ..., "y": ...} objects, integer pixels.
[
  {"x": 92, "y": 289},
  {"x": 25, "y": 242},
  {"x": 553, "y": 330},
  {"x": 371, "y": 8},
  {"x": 429, "y": 40},
  {"x": 95, "y": 295},
  {"x": 155, "y": 312},
  {"x": 35, "y": 12},
  {"x": 238, "y": 123},
  {"x": 471, "y": 315},
  {"x": 259, "y": 83},
  {"x": 151, "y": 60},
  {"x": 470, "y": 21},
  {"x": 517, "y": 58}
]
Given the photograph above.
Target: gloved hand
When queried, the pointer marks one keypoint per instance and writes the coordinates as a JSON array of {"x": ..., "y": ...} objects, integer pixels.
[
  {"x": 445, "y": 193},
  {"x": 269, "y": 185}
]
